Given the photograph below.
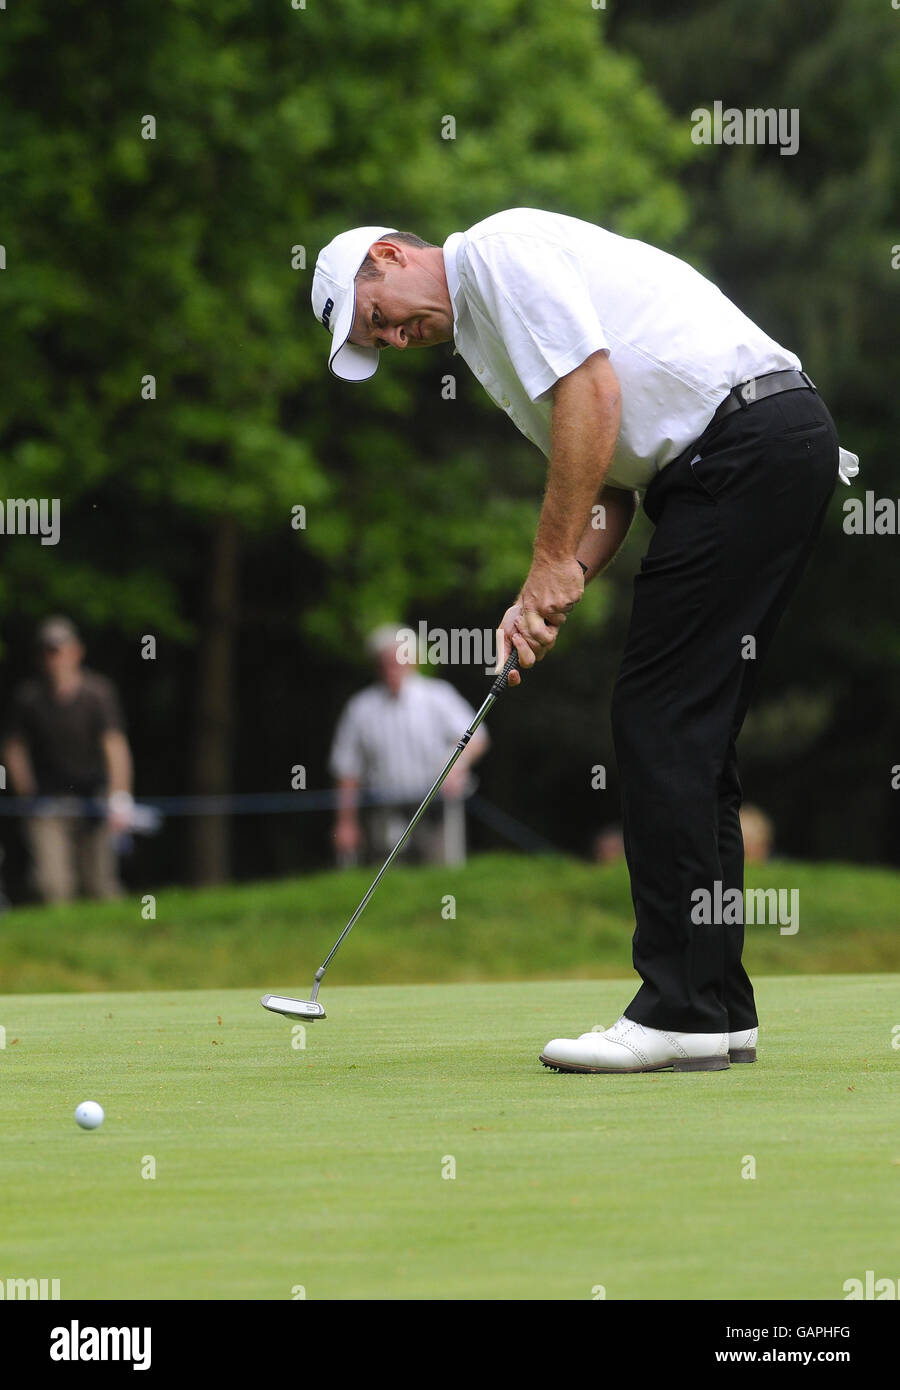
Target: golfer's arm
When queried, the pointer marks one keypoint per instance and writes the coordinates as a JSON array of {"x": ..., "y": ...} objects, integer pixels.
[
  {"x": 610, "y": 522},
  {"x": 584, "y": 429}
]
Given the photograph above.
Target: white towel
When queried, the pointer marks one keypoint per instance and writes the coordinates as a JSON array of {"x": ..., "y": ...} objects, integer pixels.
[{"x": 848, "y": 466}]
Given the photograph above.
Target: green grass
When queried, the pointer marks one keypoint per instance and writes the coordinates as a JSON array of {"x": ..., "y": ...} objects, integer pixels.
[
  {"x": 516, "y": 918},
  {"x": 322, "y": 1167}
]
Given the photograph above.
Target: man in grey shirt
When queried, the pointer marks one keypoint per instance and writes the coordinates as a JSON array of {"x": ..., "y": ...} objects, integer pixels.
[{"x": 391, "y": 740}]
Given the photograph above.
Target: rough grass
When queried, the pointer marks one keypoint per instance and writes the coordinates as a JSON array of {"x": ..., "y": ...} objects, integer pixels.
[{"x": 515, "y": 918}]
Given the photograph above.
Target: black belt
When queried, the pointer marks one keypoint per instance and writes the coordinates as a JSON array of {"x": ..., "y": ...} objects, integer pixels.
[{"x": 743, "y": 396}]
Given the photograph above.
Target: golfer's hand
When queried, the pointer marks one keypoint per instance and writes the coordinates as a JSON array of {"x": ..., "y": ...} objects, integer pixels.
[
  {"x": 552, "y": 589},
  {"x": 531, "y": 636},
  {"x": 532, "y": 623}
]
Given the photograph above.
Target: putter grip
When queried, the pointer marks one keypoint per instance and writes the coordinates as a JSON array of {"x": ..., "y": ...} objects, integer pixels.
[{"x": 500, "y": 683}]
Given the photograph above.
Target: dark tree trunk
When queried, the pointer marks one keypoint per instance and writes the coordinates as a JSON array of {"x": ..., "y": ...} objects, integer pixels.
[{"x": 211, "y": 770}]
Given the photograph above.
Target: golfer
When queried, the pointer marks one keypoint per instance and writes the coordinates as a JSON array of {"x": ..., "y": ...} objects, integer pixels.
[{"x": 639, "y": 381}]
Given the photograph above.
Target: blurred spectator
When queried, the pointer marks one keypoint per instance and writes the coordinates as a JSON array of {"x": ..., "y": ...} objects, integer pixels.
[
  {"x": 65, "y": 741},
  {"x": 609, "y": 845},
  {"x": 758, "y": 833},
  {"x": 392, "y": 739}
]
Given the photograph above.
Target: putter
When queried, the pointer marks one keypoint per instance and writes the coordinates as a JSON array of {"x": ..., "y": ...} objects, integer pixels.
[{"x": 310, "y": 1009}]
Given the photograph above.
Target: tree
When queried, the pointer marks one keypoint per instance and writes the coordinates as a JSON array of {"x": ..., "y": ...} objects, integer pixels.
[{"x": 173, "y": 171}]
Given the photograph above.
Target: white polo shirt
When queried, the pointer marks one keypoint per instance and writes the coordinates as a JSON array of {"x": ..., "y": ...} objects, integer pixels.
[
  {"x": 535, "y": 293},
  {"x": 396, "y": 744}
]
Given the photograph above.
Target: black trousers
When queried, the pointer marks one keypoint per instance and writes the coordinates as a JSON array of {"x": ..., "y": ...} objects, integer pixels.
[{"x": 736, "y": 517}]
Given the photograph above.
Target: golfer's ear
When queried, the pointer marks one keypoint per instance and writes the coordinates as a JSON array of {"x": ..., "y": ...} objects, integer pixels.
[{"x": 388, "y": 252}]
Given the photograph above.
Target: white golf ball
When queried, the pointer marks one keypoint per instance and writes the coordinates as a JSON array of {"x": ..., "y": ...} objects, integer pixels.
[{"x": 89, "y": 1114}]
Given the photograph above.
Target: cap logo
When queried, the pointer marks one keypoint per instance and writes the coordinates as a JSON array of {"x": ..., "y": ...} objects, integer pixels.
[{"x": 326, "y": 312}]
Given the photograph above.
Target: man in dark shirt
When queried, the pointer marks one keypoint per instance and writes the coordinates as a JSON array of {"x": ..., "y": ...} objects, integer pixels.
[{"x": 65, "y": 742}]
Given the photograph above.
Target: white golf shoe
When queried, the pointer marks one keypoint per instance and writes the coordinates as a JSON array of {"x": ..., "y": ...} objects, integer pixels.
[
  {"x": 630, "y": 1047},
  {"x": 742, "y": 1046}
]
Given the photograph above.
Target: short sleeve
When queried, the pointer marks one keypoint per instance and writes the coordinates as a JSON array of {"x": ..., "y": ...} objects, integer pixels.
[
  {"x": 17, "y": 716},
  {"x": 454, "y": 711},
  {"x": 109, "y": 706},
  {"x": 347, "y": 758},
  {"x": 534, "y": 293}
]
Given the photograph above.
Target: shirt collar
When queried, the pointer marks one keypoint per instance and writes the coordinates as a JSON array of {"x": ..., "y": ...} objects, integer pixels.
[{"x": 451, "y": 250}]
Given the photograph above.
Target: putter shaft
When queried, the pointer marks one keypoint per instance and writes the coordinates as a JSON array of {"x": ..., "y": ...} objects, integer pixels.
[{"x": 496, "y": 689}]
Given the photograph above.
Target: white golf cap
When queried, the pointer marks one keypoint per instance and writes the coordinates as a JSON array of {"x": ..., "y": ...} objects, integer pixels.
[{"x": 334, "y": 299}]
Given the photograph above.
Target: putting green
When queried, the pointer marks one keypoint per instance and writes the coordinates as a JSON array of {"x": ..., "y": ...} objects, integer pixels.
[{"x": 280, "y": 1167}]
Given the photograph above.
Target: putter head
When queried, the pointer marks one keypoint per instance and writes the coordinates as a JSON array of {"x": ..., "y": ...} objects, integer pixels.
[{"x": 307, "y": 1009}]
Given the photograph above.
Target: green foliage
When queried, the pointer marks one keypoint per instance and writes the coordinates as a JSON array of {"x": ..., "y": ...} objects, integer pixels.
[
  {"x": 279, "y": 127},
  {"x": 275, "y": 129}
]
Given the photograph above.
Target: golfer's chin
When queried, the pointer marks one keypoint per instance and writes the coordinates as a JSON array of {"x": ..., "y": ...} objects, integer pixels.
[
  {"x": 434, "y": 326},
  {"x": 432, "y": 335}
]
